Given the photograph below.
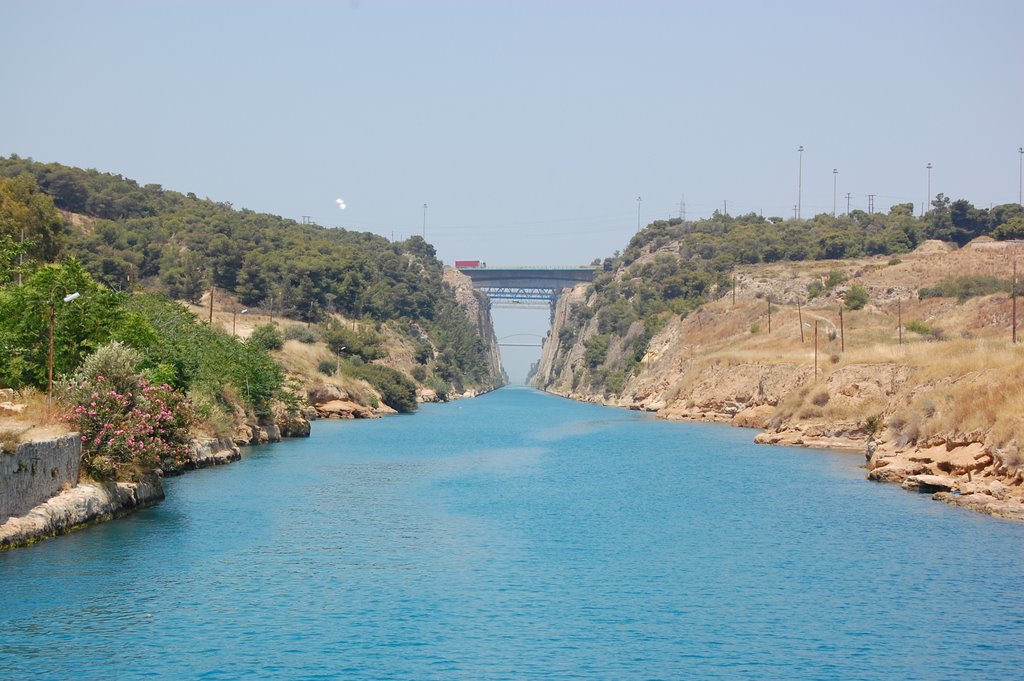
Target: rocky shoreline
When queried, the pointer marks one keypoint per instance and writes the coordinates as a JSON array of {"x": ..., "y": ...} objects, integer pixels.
[{"x": 80, "y": 506}]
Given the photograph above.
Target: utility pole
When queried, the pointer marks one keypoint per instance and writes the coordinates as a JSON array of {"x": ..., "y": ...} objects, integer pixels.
[
  {"x": 800, "y": 319},
  {"x": 769, "y": 315},
  {"x": 842, "y": 331},
  {"x": 815, "y": 350},
  {"x": 424, "y": 221},
  {"x": 682, "y": 208},
  {"x": 899, "y": 318},
  {"x": 835, "y": 180},
  {"x": 211, "y": 302},
  {"x": 848, "y": 203},
  {"x": 1020, "y": 177},
  {"x": 928, "y": 202},
  {"x": 800, "y": 183},
  {"x": 871, "y": 204},
  {"x": 725, "y": 207},
  {"x": 638, "y": 201},
  {"x": 1013, "y": 295}
]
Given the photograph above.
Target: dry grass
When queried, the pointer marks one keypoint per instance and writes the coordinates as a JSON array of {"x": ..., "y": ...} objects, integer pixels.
[{"x": 38, "y": 422}]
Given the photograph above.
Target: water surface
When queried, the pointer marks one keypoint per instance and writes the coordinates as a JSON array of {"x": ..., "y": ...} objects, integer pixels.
[{"x": 522, "y": 536}]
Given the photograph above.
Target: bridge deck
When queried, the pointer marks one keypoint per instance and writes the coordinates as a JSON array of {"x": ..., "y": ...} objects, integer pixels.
[{"x": 527, "y": 282}]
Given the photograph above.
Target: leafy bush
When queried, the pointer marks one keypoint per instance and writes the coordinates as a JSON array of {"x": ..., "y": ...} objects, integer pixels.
[
  {"x": 919, "y": 327},
  {"x": 439, "y": 386},
  {"x": 963, "y": 288},
  {"x": 597, "y": 349},
  {"x": 328, "y": 367},
  {"x": 267, "y": 336},
  {"x": 300, "y": 333},
  {"x": 755, "y": 328},
  {"x": 834, "y": 278},
  {"x": 419, "y": 372},
  {"x": 856, "y": 298},
  {"x": 815, "y": 289},
  {"x": 364, "y": 344},
  {"x": 128, "y": 427},
  {"x": 397, "y": 391}
]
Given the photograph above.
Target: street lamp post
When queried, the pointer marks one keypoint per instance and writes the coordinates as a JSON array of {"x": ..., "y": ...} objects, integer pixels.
[
  {"x": 929, "y": 197},
  {"x": 800, "y": 183},
  {"x": 337, "y": 367},
  {"x": 1020, "y": 177},
  {"x": 835, "y": 181},
  {"x": 234, "y": 316},
  {"x": 49, "y": 388}
]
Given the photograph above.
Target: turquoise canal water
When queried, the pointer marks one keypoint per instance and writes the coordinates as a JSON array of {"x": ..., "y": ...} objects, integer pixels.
[{"x": 522, "y": 536}]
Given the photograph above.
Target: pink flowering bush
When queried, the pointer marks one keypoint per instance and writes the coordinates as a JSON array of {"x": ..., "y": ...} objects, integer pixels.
[{"x": 128, "y": 430}]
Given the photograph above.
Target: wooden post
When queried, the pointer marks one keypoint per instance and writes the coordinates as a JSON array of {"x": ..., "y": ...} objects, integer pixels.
[
  {"x": 800, "y": 318},
  {"x": 899, "y": 317},
  {"x": 211, "y": 304},
  {"x": 1013, "y": 295},
  {"x": 815, "y": 350},
  {"x": 49, "y": 383},
  {"x": 842, "y": 330},
  {"x": 769, "y": 314},
  {"x": 734, "y": 290}
]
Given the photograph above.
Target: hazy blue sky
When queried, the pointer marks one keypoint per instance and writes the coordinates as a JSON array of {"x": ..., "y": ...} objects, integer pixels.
[{"x": 529, "y": 128}]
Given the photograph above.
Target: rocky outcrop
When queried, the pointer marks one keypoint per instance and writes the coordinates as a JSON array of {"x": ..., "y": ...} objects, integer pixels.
[
  {"x": 477, "y": 307},
  {"x": 205, "y": 453},
  {"x": 79, "y": 506},
  {"x": 345, "y": 409}
]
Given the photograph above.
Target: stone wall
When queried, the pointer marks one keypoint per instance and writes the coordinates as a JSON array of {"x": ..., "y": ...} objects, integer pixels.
[{"x": 36, "y": 472}]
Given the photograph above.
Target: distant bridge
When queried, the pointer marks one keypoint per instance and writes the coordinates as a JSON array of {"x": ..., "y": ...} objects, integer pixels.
[{"x": 526, "y": 284}]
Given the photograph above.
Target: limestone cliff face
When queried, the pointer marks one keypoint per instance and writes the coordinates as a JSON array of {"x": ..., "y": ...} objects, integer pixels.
[{"x": 478, "y": 310}]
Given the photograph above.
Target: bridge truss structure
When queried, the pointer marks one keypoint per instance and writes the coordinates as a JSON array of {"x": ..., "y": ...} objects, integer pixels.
[{"x": 526, "y": 286}]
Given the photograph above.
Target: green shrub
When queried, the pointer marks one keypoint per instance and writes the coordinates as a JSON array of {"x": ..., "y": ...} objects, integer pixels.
[
  {"x": 755, "y": 328},
  {"x": 365, "y": 344},
  {"x": 856, "y": 298},
  {"x": 963, "y": 288},
  {"x": 128, "y": 427},
  {"x": 918, "y": 327},
  {"x": 834, "y": 278},
  {"x": 267, "y": 336},
  {"x": 894, "y": 261},
  {"x": 419, "y": 372},
  {"x": 815, "y": 289},
  {"x": 301, "y": 333},
  {"x": 439, "y": 386},
  {"x": 397, "y": 391},
  {"x": 597, "y": 349},
  {"x": 328, "y": 367}
]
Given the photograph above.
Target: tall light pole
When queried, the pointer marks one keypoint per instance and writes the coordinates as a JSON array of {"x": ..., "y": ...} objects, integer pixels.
[
  {"x": 1020, "y": 178},
  {"x": 638, "y": 201},
  {"x": 49, "y": 388},
  {"x": 800, "y": 183},
  {"x": 929, "y": 197},
  {"x": 234, "y": 316},
  {"x": 424, "y": 221},
  {"x": 835, "y": 181}
]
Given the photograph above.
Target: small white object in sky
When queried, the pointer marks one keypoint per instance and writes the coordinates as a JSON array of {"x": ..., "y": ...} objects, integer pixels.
[{"x": 341, "y": 203}]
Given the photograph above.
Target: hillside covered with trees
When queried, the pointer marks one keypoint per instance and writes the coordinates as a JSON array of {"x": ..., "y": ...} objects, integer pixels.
[
  {"x": 125, "y": 234},
  {"x": 671, "y": 268}
]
